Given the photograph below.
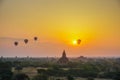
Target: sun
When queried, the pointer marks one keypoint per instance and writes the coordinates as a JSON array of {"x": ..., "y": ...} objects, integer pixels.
[{"x": 74, "y": 42}]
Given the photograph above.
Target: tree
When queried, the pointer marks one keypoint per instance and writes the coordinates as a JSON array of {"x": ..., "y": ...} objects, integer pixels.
[
  {"x": 5, "y": 71},
  {"x": 18, "y": 68},
  {"x": 90, "y": 78},
  {"x": 70, "y": 78},
  {"x": 40, "y": 77},
  {"x": 41, "y": 71},
  {"x": 117, "y": 76},
  {"x": 21, "y": 76}
]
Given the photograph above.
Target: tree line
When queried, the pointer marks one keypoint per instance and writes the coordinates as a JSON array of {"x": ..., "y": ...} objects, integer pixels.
[{"x": 86, "y": 70}]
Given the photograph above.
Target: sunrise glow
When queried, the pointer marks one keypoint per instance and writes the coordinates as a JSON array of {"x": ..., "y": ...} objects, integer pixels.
[
  {"x": 74, "y": 42},
  {"x": 57, "y": 23}
]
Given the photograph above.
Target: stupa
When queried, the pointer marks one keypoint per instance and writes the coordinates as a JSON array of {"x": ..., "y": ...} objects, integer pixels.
[{"x": 63, "y": 59}]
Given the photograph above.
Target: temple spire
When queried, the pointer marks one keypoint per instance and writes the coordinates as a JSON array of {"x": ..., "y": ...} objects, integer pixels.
[
  {"x": 63, "y": 59},
  {"x": 64, "y": 53}
]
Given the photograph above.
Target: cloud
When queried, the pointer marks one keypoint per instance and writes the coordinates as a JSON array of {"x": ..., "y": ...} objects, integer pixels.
[{"x": 10, "y": 38}]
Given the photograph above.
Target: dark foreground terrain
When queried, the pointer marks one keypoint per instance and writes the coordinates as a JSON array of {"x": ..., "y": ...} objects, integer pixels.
[{"x": 80, "y": 68}]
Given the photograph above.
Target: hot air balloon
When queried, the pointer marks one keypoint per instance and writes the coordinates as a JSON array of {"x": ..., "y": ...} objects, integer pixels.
[
  {"x": 78, "y": 41},
  {"x": 35, "y": 38},
  {"x": 16, "y": 43},
  {"x": 26, "y": 41}
]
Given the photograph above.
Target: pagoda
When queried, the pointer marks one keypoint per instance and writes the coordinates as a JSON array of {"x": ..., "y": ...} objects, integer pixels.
[{"x": 63, "y": 59}]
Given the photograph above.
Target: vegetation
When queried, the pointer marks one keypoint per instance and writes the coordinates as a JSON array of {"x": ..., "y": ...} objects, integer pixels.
[
  {"x": 90, "y": 78},
  {"x": 70, "y": 77},
  {"x": 91, "y": 69},
  {"x": 40, "y": 77},
  {"x": 5, "y": 71},
  {"x": 20, "y": 76},
  {"x": 18, "y": 68}
]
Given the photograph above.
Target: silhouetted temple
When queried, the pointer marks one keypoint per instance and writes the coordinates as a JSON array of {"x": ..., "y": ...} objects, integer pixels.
[{"x": 63, "y": 59}]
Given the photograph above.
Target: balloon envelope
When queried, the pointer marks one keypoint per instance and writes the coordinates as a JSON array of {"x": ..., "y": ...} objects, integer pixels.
[
  {"x": 78, "y": 41},
  {"x": 35, "y": 38},
  {"x": 26, "y": 41},
  {"x": 15, "y": 43}
]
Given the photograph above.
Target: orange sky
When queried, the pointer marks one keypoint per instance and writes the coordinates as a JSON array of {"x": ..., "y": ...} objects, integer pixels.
[{"x": 57, "y": 23}]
